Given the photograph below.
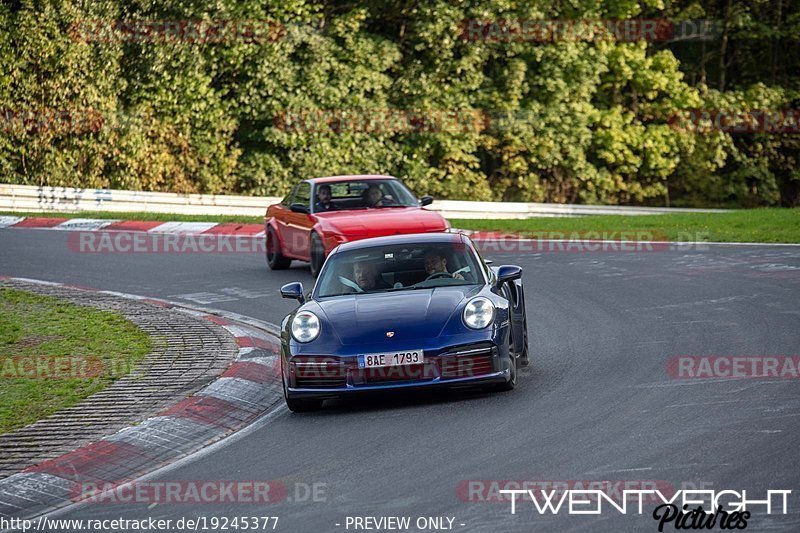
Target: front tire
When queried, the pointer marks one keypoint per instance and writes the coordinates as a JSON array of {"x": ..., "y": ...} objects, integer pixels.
[
  {"x": 303, "y": 406},
  {"x": 299, "y": 406},
  {"x": 275, "y": 259},
  {"x": 317, "y": 254},
  {"x": 512, "y": 382},
  {"x": 523, "y": 359}
]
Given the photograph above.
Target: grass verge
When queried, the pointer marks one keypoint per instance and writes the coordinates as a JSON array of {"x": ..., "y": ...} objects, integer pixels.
[
  {"x": 54, "y": 354},
  {"x": 748, "y": 225},
  {"x": 756, "y": 225}
]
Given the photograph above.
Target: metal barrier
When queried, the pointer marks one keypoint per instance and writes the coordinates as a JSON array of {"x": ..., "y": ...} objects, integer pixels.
[{"x": 32, "y": 198}]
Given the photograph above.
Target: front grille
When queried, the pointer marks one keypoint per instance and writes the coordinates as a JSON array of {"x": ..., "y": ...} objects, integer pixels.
[
  {"x": 319, "y": 373},
  {"x": 393, "y": 374},
  {"x": 465, "y": 363}
]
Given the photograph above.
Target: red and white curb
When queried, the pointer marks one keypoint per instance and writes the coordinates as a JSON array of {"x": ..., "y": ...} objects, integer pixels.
[
  {"x": 146, "y": 226},
  {"x": 248, "y": 388}
]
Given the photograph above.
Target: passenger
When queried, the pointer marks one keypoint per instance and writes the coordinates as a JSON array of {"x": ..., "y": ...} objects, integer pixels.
[
  {"x": 436, "y": 263},
  {"x": 374, "y": 197},
  {"x": 324, "y": 202},
  {"x": 366, "y": 276}
]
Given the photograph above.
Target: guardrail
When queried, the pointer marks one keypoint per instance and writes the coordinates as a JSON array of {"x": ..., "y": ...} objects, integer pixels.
[{"x": 32, "y": 198}]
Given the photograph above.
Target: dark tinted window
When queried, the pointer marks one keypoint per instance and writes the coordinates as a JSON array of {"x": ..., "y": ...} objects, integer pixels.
[
  {"x": 353, "y": 194},
  {"x": 288, "y": 200},
  {"x": 399, "y": 267},
  {"x": 303, "y": 195}
]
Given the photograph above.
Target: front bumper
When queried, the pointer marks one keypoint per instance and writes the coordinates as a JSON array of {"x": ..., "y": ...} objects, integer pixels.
[{"x": 326, "y": 377}]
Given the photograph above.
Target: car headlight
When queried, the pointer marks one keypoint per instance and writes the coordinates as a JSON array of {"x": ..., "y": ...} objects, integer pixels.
[
  {"x": 305, "y": 326},
  {"x": 479, "y": 313}
]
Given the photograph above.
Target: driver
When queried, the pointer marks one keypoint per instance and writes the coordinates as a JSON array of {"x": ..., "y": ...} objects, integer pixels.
[
  {"x": 436, "y": 263},
  {"x": 324, "y": 202},
  {"x": 366, "y": 276},
  {"x": 373, "y": 197}
]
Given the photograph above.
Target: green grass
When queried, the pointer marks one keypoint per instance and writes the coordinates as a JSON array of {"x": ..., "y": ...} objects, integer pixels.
[
  {"x": 53, "y": 354},
  {"x": 752, "y": 225},
  {"x": 756, "y": 225}
]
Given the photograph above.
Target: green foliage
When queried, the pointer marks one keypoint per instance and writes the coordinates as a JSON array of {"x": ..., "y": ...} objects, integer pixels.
[{"x": 568, "y": 121}]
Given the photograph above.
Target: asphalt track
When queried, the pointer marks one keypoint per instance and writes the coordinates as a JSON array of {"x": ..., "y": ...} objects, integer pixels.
[{"x": 597, "y": 404}]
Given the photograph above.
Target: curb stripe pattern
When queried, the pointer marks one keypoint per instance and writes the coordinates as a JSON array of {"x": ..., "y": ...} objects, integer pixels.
[
  {"x": 39, "y": 222},
  {"x": 247, "y": 389},
  {"x": 148, "y": 226}
]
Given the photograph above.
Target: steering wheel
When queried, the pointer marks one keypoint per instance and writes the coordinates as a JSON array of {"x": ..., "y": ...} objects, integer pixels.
[{"x": 437, "y": 275}]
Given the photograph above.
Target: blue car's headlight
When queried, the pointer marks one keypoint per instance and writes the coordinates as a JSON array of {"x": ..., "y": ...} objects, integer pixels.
[
  {"x": 479, "y": 313},
  {"x": 305, "y": 326}
]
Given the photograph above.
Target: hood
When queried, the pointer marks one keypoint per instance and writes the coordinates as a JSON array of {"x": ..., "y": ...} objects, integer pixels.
[
  {"x": 412, "y": 314},
  {"x": 383, "y": 221}
]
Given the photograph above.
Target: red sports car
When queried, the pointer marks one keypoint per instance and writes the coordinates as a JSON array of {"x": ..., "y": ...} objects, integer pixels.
[{"x": 321, "y": 213}]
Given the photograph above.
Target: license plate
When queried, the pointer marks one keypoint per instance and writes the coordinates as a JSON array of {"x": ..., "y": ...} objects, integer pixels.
[{"x": 408, "y": 357}]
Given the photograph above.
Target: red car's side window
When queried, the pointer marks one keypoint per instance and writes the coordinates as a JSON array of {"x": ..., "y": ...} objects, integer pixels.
[{"x": 288, "y": 199}]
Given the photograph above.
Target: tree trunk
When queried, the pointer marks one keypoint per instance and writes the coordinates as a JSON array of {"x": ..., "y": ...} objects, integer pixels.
[{"x": 723, "y": 48}]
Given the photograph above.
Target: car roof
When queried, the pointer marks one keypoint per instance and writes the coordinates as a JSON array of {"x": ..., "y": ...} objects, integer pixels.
[
  {"x": 408, "y": 238},
  {"x": 329, "y": 179}
]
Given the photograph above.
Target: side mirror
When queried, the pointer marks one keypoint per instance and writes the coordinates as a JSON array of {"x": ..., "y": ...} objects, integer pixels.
[
  {"x": 508, "y": 273},
  {"x": 426, "y": 200},
  {"x": 294, "y": 291},
  {"x": 299, "y": 208}
]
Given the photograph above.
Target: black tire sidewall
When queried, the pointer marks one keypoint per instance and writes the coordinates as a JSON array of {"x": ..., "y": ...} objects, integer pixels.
[
  {"x": 272, "y": 258},
  {"x": 317, "y": 254}
]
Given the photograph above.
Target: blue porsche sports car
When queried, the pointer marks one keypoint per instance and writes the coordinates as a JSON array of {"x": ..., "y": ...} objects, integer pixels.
[{"x": 407, "y": 311}]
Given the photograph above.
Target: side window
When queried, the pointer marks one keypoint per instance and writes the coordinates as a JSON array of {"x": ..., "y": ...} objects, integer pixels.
[
  {"x": 303, "y": 194},
  {"x": 340, "y": 190},
  {"x": 289, "y": 199},
  {"x": 482, "y": 264}
]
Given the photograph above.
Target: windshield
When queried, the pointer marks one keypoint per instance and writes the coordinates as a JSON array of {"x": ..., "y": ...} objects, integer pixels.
[
  {"x": 399, "y": 268},
  {"x": 362, "y": 194}
]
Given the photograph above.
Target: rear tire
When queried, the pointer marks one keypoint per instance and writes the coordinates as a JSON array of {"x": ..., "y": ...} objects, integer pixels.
[
  {"x": 317, "y": 254},
  {"x": 275, "y": 259}
]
